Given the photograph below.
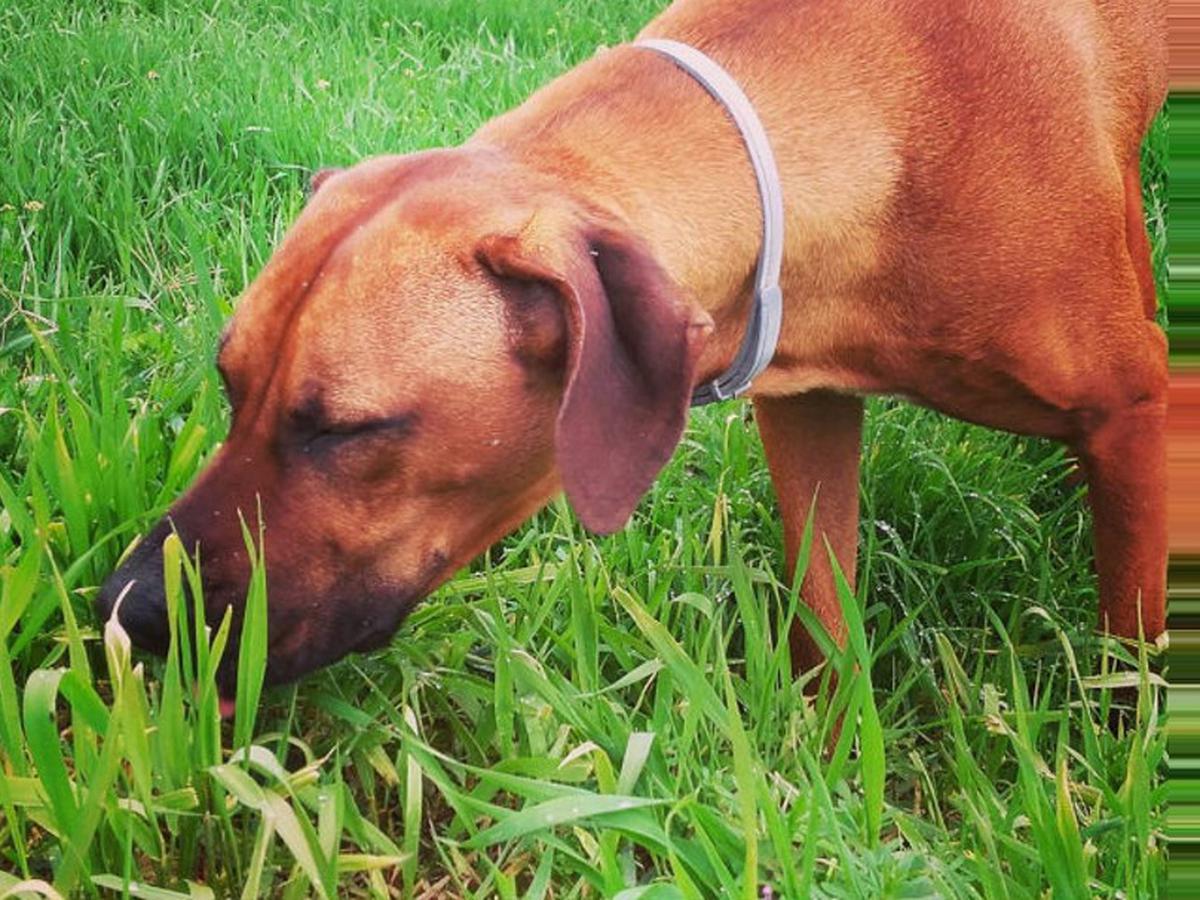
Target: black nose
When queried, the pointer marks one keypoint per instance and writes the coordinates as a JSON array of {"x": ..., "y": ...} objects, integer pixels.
[
  {"x": 143, "y": 610},
  {"x": 143, "y": 614}
]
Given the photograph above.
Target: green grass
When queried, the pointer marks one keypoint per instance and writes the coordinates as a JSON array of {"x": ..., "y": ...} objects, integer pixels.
[{"x": 573, "y": 717}]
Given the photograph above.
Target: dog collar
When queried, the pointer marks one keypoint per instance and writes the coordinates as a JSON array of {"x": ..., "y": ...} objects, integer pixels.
[{"x": 762, "y": 334}]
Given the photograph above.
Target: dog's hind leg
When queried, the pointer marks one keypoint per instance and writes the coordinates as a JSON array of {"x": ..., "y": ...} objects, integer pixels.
[
  {"x": 1125, "y": 459},
  {"x": 813, "y": 442},
  {"x": 1105, "y": 396}
]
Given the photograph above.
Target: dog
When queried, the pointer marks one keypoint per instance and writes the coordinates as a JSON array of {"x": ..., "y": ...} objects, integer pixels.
[{"x": 444, "y": 341}]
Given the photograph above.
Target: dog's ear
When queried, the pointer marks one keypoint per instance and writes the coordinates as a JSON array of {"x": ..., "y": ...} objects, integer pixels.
[
  {"x": 319, "y": 178},
  {"x": 632, "y": 347}
]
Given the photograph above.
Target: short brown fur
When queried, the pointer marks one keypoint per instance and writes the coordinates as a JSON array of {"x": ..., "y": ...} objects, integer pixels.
[{"x": 964, "y": 228}]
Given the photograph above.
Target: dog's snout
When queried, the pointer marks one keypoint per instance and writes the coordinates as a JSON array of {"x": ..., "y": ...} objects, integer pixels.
[
  {"x": 136, "y": 591},
  {"x": 142, "y": 611}
]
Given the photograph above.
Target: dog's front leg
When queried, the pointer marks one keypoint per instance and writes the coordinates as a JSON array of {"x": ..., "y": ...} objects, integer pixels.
[
  {"x": 1125, "y": 463},
  {"x": 813, "y": 442}
]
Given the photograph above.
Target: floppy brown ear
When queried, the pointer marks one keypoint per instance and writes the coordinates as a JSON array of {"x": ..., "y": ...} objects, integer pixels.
[{"x": 632, "y": 347}]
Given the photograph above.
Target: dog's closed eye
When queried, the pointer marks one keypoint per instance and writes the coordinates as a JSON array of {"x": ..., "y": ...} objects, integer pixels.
[
  {"x": 393, "y": 426},
  {"x": 364, "y": 450},
  {"x": 330, "y": 434},
  {"x": 312, "y": 421}
]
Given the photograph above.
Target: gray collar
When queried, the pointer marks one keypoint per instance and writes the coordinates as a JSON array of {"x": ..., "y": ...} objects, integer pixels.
[{"x": 762, "y": 334}]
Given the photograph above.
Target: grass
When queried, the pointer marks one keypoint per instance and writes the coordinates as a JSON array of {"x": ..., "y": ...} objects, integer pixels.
[{"x": 572, "y": 717}]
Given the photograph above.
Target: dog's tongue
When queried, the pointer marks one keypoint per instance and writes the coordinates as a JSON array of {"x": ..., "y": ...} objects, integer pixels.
[{"x": 227, "y": 708}]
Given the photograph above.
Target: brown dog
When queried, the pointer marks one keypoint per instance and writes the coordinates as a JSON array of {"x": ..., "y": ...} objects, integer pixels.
[{"x": 445, "y": 340}]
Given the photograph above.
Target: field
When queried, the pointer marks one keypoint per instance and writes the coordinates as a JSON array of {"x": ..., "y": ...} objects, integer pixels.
[{"x": 573, "y": 717}]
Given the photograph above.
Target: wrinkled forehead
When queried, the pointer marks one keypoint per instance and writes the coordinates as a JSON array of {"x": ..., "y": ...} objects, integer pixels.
[
  {"x": 349, "y": 203},
  {"x": 377, "y": 275},
  {"x": 395, "y": 310},
  {"x": 267, "y": 309}
]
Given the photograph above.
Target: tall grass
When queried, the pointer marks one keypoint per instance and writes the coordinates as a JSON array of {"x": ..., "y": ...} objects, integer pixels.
[{"x": 572, "y": 717}]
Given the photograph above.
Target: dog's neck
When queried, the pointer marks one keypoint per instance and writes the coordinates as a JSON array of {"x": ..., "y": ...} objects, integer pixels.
[{"x": 673, "y": 183}]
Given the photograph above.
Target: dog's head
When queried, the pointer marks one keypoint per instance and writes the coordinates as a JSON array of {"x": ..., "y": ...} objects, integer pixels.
[{"x": 439, "y": 344}]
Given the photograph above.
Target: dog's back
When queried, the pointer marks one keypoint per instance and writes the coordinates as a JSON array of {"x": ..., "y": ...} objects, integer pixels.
[{"x": 1122, "y": 44}]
